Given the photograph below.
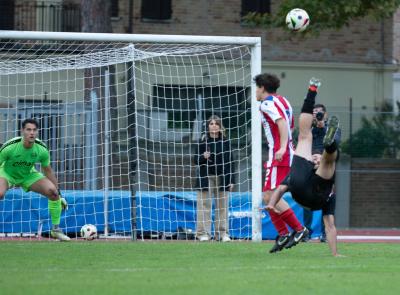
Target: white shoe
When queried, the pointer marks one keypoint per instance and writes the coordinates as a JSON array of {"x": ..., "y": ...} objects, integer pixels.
[
  {"x": 204, "y": 238},
  {"x": 225, "y": 239},
  {"x": 59, "y": 235}
]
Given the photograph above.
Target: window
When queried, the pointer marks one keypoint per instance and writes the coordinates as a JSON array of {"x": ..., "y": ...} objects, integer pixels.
[
  {"x": 156, "y": 10},
  {"x": 259, "y": 6},
  {"x": 7, "y": 15},
  {"x": 180, "y": 102},
  {"x": 114, "y": 8}
]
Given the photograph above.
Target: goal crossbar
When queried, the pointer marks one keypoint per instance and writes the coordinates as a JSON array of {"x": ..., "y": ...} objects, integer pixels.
[{"x": 141, "y": 38}]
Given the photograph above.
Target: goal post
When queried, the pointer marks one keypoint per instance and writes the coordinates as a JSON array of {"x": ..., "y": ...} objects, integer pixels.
[
  {"x": 256, "y": 158},
  {"x": 122, "y": 116}
]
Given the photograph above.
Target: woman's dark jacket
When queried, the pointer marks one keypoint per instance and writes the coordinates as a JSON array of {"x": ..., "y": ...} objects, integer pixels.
[{"x": 219, "y": 163}]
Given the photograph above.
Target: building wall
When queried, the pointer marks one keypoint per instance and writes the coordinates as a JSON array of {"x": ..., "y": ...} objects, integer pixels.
[
  {"x": 363, "y": 41},
  {"x": 65, "y": 85}
]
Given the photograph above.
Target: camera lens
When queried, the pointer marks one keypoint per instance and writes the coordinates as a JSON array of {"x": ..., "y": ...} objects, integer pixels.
[{"x": 319, "y": 116}]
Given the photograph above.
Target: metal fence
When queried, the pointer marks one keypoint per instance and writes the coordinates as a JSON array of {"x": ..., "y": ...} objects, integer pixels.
[{"x": 367, "y": 132}]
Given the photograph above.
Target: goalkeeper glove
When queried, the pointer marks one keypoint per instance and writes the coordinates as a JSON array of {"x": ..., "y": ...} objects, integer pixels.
[{"x": 64, "y": 203}]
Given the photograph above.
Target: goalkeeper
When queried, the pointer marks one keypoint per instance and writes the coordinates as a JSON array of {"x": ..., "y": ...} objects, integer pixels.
[{"x": 17, "y": 159}]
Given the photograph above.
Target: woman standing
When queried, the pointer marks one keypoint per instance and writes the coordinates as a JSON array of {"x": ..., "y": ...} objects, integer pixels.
[{"x": 215, "y": 179}]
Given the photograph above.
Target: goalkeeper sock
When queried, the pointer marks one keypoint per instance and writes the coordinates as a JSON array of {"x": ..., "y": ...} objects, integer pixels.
[{"x": 55, "y": 212}]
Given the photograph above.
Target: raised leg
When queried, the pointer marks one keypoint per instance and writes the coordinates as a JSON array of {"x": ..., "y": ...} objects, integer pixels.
[
  {"x": 304, "y": 144},
  {"x": 328, "y": 160}
]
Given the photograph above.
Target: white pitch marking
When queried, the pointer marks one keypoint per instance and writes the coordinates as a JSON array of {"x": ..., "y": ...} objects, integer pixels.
[{"x": 369, "y": 238}]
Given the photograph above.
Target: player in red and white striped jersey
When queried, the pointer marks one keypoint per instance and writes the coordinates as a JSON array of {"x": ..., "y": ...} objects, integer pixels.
[
  {"x": 277, "y": 119},
  {"x": 273, "y": 108}
]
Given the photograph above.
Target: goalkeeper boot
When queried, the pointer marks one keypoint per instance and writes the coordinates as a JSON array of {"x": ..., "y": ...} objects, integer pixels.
[
  {"x": 333, "y": 126},
  {"x": 225, "y": 239},
  {"x": 280, "y": 243},
  {"x": 57, "y": 233},
  {"x": 203, "y": 238}
]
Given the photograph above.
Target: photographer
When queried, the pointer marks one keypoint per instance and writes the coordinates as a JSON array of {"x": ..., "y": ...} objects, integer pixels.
[{"x": 318, "y": 132}]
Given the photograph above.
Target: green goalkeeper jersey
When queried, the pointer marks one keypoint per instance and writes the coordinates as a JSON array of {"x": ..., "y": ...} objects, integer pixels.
[{"x": 18, "y": 161}]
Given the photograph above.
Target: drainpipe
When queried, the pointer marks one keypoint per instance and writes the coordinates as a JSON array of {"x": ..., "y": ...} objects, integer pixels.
[{"x": 130, "y": 20}]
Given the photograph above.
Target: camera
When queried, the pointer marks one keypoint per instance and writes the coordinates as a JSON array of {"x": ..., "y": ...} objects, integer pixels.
[{"x": 319, "y": 116}]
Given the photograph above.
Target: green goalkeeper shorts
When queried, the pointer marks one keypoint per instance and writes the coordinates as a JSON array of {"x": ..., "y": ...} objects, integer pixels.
[{"x": 25, "y": 183}]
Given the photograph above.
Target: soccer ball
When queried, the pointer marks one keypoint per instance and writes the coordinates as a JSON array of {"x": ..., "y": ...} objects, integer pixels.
[
  {"x": 297, "y": 20},
  {"x": 89, "y": 232}
]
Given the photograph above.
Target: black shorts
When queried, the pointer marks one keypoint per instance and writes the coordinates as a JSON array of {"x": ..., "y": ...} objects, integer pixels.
[
  {"x": 330, "y": 205},
  {"x": 307, "y": 188}
]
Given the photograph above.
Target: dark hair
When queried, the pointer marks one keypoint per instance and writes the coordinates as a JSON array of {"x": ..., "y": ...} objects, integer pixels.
[
  {"x": 320, "y": 105},
  {"x": 30, "y": 121},
  {"x": 270, "y": 82}
]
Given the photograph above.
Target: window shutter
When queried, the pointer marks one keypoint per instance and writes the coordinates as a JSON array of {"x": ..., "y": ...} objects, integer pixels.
[
  {"x": 7, "y": 15},
  {"x": 260, "y": 6},
  {"x": 156, "y": 9},
  {"x": 166, "y": 10},
  {"x": 114, "y": 8}
]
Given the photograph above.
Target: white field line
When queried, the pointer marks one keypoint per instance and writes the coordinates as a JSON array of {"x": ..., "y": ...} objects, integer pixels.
[{"x": 389, "y": 238}]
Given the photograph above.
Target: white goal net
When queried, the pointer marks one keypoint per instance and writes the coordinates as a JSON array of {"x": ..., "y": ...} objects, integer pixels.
[{"x": 125, "y": 119}]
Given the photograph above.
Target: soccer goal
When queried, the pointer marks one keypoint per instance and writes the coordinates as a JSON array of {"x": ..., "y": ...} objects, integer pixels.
[{"x": 123, "y": 117}]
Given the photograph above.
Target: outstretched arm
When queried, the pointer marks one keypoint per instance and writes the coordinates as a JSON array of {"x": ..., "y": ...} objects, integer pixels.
[
  {"x": 276, "y": 196},
  {"x": 3, "y": 155}
]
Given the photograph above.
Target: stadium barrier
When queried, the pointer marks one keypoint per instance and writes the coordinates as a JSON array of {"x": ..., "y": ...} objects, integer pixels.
[{"x": 156, "y": 212}]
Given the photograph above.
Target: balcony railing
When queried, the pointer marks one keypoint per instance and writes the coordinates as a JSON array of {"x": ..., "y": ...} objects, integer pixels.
[{"x": 40, "y": 16}]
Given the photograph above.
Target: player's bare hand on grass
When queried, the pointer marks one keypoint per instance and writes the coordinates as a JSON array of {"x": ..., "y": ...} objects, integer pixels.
[{"x": 339, "y": 255}]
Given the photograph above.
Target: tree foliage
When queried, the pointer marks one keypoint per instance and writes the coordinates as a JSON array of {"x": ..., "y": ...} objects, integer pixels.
[
  {"x": 326, "y": 14},
  {"x": 378, "y": 137}
]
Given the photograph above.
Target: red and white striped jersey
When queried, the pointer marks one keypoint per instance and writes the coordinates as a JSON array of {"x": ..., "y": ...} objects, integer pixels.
[{"x": 273, "y": 108}]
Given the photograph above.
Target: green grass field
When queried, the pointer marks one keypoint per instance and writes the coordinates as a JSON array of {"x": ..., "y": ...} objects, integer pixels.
[{"x": 196, "y": 268}]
